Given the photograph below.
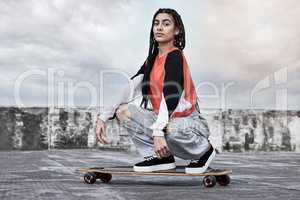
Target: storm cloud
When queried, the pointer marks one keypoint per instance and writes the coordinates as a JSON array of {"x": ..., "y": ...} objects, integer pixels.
[{"x": 240, "y": 44}]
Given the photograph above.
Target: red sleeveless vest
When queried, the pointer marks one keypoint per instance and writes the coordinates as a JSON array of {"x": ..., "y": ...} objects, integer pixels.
[{"x": 157, "y": 82}]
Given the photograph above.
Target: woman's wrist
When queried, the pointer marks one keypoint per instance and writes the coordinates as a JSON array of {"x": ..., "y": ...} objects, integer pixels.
[{"x": 159, "y": 133}]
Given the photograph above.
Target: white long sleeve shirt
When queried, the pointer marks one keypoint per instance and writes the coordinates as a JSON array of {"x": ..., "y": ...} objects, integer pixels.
[{"x": 173, "y": 72}]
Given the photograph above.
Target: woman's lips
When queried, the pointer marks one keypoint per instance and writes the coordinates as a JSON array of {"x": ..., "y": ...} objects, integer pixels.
[{"x": 159, "y": 34}]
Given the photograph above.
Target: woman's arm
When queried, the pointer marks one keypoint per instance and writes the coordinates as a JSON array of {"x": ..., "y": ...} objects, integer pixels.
[
  {"x": 129, "y": 91},
  {"x": 172, "y": 91}
]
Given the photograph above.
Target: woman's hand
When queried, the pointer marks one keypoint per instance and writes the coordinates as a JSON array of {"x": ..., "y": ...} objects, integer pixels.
[
  {"x": 160, "y": 147},
  {"x": 101, "y": 132}
]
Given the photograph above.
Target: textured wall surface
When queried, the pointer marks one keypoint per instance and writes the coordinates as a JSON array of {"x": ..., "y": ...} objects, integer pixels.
[{"x": 231, "y": 130}]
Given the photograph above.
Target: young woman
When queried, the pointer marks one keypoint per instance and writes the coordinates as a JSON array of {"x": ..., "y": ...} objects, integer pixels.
[{"x": 168, "y": 123}]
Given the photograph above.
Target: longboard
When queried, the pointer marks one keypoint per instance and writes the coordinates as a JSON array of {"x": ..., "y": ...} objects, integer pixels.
[{"x": 210, "y": 177}]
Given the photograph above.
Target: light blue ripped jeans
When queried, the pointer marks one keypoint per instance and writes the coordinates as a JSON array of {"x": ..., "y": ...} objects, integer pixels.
[{"x": 188, "y": 138}]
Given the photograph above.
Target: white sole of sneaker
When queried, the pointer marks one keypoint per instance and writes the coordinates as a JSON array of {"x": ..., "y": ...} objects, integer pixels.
[
  {"x": 154, "y": 168},
  {"x": 195, "y": 170}
]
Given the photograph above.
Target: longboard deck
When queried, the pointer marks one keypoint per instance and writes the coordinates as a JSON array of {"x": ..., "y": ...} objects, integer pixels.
[
  {"x": 178, "y": 171},
  {"x": 211, "y": 176}
]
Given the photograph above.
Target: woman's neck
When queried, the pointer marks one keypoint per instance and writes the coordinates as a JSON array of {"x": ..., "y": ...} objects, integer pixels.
[{"x": 164, "y": 48}]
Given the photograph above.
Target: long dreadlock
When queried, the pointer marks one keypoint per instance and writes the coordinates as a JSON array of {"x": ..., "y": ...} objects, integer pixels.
[{"x": 179, "y": 42}]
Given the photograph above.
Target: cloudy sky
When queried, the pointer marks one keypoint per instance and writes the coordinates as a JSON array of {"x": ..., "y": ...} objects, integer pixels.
[{"x": 242, "y": 53}]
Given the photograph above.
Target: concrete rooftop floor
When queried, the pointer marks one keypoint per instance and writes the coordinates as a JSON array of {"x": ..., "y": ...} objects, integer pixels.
[{"x": 53, "y": 175}]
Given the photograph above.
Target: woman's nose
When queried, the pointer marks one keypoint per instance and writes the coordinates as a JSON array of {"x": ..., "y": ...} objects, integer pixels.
[{"x": 159, "y": 27}]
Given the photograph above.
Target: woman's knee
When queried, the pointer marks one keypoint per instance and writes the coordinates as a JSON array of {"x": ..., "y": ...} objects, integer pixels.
[{"x": 123, "y": 113}]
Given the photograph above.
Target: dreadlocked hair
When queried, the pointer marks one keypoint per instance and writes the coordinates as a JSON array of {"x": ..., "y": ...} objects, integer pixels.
[{"x": 179, "y": 42}]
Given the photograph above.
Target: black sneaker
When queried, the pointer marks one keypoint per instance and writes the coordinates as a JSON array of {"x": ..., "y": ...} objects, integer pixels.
[
  {"x": 201, "y": 165},
  {"x": 152, "y": 163}
]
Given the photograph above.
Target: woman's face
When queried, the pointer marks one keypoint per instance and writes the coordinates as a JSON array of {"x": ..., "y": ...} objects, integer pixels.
[{"x": 164, "y": 28}]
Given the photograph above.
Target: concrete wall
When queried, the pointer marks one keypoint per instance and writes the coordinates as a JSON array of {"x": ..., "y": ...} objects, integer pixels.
[{"x": 231, "y": 130}]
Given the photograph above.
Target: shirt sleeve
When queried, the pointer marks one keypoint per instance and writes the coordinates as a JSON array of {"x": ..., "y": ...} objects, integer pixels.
[
  {"x": 173, "y": 82},
  {"x": 172, "y": 91},
  {"x": 129, "y": 91}
]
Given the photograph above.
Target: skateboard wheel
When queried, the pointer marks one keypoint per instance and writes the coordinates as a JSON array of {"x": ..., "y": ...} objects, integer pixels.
[
  {"x": 90, "y": 178},
  {"x": 209, "y": 181},
  {"x": 105, "y": 178},
  {"x": 223, "y": 180}
]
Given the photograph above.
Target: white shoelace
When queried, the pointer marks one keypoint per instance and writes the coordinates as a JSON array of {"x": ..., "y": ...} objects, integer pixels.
[
  {"x": 194, "y": 161},
  {"x": 148, "y": 158}
]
